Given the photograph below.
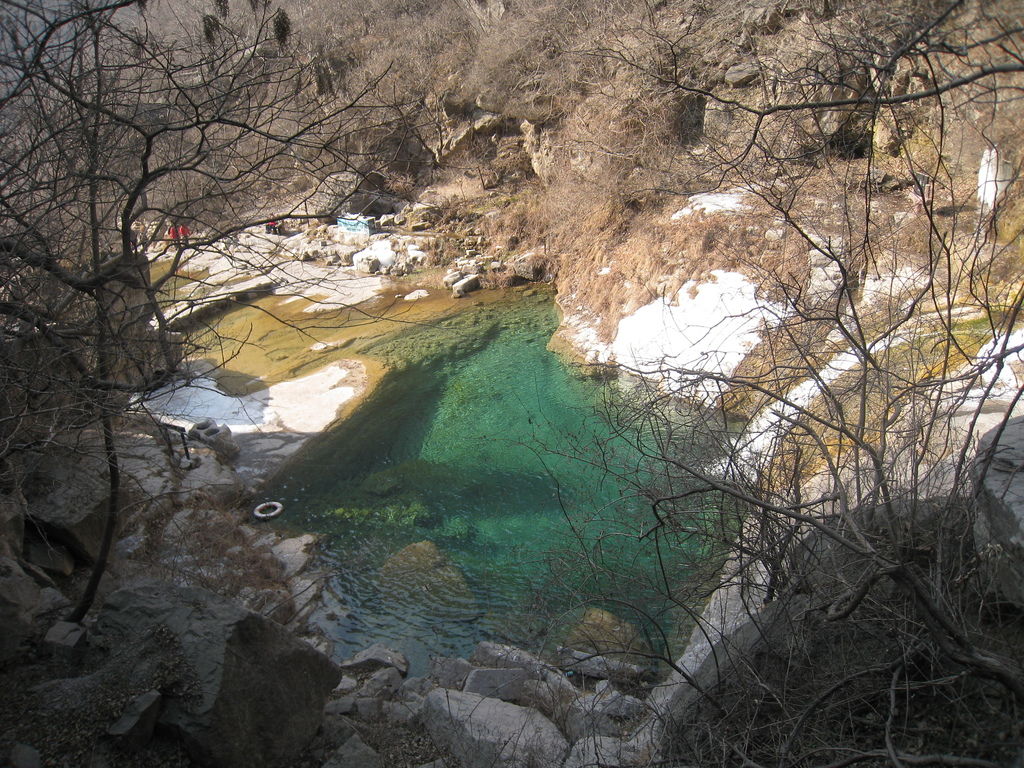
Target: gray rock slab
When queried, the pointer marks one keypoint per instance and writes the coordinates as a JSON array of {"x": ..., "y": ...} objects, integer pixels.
[
  {"x": 64, "y": 638},
  {"x": 488, "y": 654},
  {"x": 999, "y": 527},
  {"x": 354, "y": 753},
  {"x": 368, "y": 708},
  {"x": 294, "y": 554},
  {"x": 382, "y": 684},
  {"x": 504, "y": 684},
  {"x": 375, "y": 657},
  {"x": 345, "y": 705},
  {"x": 406, "y": 712},
  {"x": 465, "y": 285},
  {"x": 600, "y": 667},
  {"x": 488, "y": 733},
  {"x": 554, "y": 696},
  {"x": 450, "y": 672},
  {"x": 347, "y": 685}
]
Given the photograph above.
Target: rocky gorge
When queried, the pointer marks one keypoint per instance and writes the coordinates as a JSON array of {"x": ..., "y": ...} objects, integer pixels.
[{"x": 792, "y": 273}]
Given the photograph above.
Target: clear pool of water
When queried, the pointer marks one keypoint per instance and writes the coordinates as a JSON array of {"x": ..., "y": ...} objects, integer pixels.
[{"x": 470, "y": 495}]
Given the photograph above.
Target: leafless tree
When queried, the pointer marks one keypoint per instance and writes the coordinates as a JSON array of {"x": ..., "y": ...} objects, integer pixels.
[{"x": 115, "y": 131}]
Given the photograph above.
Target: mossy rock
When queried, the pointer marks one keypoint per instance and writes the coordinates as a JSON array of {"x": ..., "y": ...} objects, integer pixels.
[
  {"x": 423, "y": 570},
  {"x": 601, "y": 631}
]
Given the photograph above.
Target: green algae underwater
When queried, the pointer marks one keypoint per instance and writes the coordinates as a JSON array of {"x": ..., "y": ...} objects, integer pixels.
[{"x": 478, "y": 493}]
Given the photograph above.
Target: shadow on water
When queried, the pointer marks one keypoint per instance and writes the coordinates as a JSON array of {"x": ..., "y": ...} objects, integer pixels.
[{"x": 446, "y": 492}]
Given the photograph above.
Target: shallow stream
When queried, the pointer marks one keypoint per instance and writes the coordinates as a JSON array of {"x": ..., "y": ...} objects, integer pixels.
[{"x": 470, "y": 496}]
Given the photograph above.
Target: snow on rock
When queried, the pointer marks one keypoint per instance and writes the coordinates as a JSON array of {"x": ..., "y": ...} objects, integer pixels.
[
  {"x": 304, "y": 405},
  {"x": 710, "y": 327},
  {"x": 381, "y": 251},
  {"x": 731, "y": 201}
]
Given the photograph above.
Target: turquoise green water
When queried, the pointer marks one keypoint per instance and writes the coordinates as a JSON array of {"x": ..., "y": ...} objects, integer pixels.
[{"x": 492, "y": 448}]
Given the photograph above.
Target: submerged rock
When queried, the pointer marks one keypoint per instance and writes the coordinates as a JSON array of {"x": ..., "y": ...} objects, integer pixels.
[
  {"x": 601, "y": 631},
  {"x": 423, "y": 569}
]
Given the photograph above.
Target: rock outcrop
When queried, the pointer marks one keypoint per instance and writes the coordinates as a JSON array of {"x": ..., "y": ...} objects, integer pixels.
[
  {"x": 999, "y": 528},
  {"x": 68, "y": 501},
  {"x": 256, "y": 692}
]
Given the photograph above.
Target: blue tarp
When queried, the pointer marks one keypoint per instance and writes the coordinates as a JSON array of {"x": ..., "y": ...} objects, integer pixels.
[{"x": 360, "y": 225}]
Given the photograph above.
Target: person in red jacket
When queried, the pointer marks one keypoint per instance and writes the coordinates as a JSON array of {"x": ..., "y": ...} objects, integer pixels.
[{"x": 184, "y": 233}]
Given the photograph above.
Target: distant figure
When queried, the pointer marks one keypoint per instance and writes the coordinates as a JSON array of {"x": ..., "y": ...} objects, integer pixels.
[
  {"x": 273, "y": 228},
  {"x": 184, "y": 233},
  {"x": 994, "y": 177},
  {"x": 172, "y": 232}
]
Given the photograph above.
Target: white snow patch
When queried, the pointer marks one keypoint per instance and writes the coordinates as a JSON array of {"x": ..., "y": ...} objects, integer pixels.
[
  {"x": 710, "y": 327},
  {"x": 382, "y": 250},
  {"x": 731, "y": 201},
  {"x": 604, "y": 271},
  {"x": 305, "y": 405}
]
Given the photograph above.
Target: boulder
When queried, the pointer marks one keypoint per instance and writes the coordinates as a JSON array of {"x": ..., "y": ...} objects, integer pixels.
[
  {"x": 504, "y": 684},
  {"x": 19, "y": 603},
  {"x": 554, "y": 696},
  {"x": 257, "y": 693},
  {"x": 375, "y": 657},
  {"x": 465, "y": 285},
  {"x": 67, "y": 498},
  {"x": 51, "y": 557},
  {"x": 406, "y": 712},
  {"x": 344, "y": 705},
  {"x": 999, "y": 526},
  {"x": 135, "y": 727},
  {"x": 382, "y": 684},
  {"x": 584, "y": 719},
  {"x": 64, "y": 639},
  {"x": 741, "y": 75},
  {"x": 347, "y": 685},
  {"x": 600, "y": 667},
  {"x": 354, "y": 752},
  {"x": 488, "y": 654},
  {"x": 603, "y": 752},
  {"x": 601, "y": 715},
  {"x": 450, "y": 672},
  {"x": 487, "y": 733}
]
